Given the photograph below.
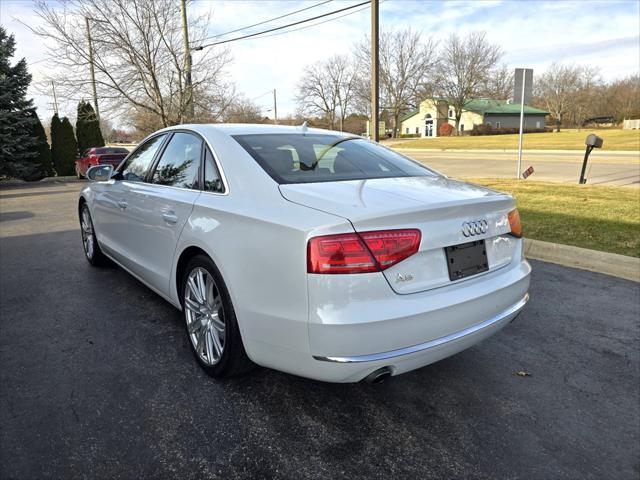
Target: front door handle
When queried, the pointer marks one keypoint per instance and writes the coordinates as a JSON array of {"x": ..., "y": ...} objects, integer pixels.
[
  {"x": 169, "y": 217},
  {"x": 122, "y": 204}
]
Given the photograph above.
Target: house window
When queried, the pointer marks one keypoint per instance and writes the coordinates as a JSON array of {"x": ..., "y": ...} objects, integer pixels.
[
  {"x": 538, "y": 124},
  {"x": 489, "y": 123},
  {"x": 497, "y": 124},
  {"x": 462, "y": 127},
  {"x": 417, "y": 130},
  {"x": 406, "y": 130},
  {"x": 450, "y": 113}
]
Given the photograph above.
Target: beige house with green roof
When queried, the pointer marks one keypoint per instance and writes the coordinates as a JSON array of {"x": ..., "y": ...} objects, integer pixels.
[{"x": 426, "y": 120}]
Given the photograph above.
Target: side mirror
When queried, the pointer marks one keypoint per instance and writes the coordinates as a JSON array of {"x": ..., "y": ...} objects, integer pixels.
[{"x": 99, "y": 173}]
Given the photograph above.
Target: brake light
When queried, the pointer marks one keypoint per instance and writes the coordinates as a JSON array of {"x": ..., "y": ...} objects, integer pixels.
[
  {"x": 93, "y": 159},
  {"x": 361, "y": 253},
  {"x": 515, "y": 223}
]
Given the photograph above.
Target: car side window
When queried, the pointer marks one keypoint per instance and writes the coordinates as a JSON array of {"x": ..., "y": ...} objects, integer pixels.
[
  {"x": 138, "y": 163},
  {"x": 180, "y": 162},
  {"x": 212, "y": 179}
]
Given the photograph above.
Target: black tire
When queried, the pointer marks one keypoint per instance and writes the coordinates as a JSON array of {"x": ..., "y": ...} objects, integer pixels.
[
  {"x": 93, "y": 255},
  {"x": 233, "y": 360}
]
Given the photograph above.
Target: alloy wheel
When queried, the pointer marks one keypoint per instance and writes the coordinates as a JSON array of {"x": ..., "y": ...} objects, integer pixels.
[
  {"x": 87, "y": 233},
  {"x": 204, "y": 315}
]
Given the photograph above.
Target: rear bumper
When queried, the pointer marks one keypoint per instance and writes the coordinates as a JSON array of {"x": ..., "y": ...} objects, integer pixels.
[{"x": 452, "y": 339}]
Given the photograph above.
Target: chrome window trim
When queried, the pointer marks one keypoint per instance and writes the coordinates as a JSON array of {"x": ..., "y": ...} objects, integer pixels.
[{"x": 513, "y": 309}]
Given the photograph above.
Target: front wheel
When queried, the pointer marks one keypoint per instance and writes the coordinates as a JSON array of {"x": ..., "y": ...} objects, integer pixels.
[
  {"x": 90, "y": 245},
  {"x": 211, "y": 320}
]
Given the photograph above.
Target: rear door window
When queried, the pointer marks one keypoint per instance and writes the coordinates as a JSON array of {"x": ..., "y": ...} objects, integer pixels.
[{"x": 179, "y": 164}]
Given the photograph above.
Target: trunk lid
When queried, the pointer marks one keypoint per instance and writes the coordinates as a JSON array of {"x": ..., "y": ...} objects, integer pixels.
[{"x": 438, "y": 206}]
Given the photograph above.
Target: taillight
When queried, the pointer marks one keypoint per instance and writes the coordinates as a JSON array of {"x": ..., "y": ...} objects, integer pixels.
[
  {"x": 514, "y": 222},
  {"x": 361, "y": 253},
  {"x": 93, "y": 159}
]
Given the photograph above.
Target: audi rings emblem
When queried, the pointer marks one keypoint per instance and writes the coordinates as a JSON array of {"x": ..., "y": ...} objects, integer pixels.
[{"x": 475, "y": 227}]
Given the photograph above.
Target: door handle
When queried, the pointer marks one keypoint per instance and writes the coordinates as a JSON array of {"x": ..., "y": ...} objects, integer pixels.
[
  {"x": 122, "y": 204},
  {"x": 169, "y": 217}
]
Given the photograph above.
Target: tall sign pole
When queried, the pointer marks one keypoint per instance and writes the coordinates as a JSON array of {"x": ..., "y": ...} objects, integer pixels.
[
  {"x": 92, "y": 71},
  {"x": 187, "y": 61},
  {"x": 519, "y": 165},
  {"x": 523, "y": 87},
  {"x": 375, "y": 63}
]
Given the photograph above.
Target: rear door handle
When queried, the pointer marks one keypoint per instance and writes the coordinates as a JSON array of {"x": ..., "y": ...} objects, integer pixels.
[
  {"x": 169, "y": 218},
  {"x": 122, "y": 204}
]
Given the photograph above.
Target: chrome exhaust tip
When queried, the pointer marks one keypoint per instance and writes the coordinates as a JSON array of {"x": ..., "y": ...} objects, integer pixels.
[{"x": 378, "y": 376}]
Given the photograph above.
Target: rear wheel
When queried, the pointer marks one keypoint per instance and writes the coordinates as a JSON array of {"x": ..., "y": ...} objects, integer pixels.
[
  {"x": 90, "y": 245},
  {"x": 211, "y": 321}
]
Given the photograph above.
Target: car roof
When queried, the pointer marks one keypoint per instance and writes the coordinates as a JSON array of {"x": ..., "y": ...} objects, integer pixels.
[{"x": 249, "y": 129}]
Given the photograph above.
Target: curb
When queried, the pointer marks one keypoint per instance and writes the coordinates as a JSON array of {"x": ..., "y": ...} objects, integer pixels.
[
  {"x": 602, "y": 262},
  {"x": 580, "y": 153}
]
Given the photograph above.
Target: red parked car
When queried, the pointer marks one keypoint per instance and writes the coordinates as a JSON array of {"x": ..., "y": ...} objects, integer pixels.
[{"x": 100, "y": 156}]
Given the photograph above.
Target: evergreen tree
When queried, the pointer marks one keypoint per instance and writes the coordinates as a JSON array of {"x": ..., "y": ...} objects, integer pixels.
[
  {"x": 56, "y": 142},
  {"x": 42, "y": 148},
  {"x": 66, "y": 149},
  {"x": 88, "y": 128},
  {"x": 18, "y": 157}
]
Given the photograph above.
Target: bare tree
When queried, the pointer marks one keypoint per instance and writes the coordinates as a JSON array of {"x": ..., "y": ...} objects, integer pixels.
[
  {"x": 557, "y": 89},
  {"x": 623, "y": 97},
  {"x": 465, "y": 69},
  {"x": 328, "y": 89},
  {"x": 243, "y": 110},
  {"x": 405, "y": 65},
  {"x": 138, "y": 58},
  {"x": 499, "y": 85}
]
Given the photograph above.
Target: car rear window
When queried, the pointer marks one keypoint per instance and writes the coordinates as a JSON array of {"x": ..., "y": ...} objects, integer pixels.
[
  {"x": 308, "y": 158},
  {"x": 110, "y": 150}
]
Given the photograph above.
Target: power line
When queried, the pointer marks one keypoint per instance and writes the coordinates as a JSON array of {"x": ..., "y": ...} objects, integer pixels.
[
  {"x": 319, "y": 23},
  {"x": 266, "y": 21},
  {"x": 283, "y": 26}
]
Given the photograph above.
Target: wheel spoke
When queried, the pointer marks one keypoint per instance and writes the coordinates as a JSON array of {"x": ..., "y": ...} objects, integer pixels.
[
  {"x": 210, "y": 343},
  {"x": 216, "y": 342},
  {"x": 192, "y": 305},
  {"x": 200, "y": 344},
  {"x": 201, "y": 286},
  {"x": 195, "y": 326},
  {"x": 195, "y": 290},
  {"x": 217, "y": 324},
  {"x": 209, "y": 289}
]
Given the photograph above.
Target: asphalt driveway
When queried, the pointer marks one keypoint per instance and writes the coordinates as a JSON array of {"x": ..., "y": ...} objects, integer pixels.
[{"x": 97, "y": 381}]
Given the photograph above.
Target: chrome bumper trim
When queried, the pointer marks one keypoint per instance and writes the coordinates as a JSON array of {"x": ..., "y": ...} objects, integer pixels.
[{"x": 514, "y": 309}]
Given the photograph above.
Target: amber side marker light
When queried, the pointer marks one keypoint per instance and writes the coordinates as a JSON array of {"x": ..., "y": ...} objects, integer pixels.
[{"x": 516, "y": 224}]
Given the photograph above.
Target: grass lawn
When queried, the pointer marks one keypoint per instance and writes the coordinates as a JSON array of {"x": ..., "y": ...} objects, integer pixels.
[
  {"x": 614, "y": 139},
  {"x": 595, "y": 217}
]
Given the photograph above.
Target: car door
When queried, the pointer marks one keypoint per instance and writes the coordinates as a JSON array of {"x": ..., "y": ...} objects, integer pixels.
[
  {"x": 162, "y": 205},
  {"x": 114, "y": 222}
]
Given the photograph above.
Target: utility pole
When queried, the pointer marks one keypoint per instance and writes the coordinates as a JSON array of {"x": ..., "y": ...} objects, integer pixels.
[
  {"x": 275, "y": 108},
  {"x": 93, "y": 73},
  {"x": 55, "y": 98},
  {"x": 187, "y": 61},
  {"x": 375, "y": 63}
]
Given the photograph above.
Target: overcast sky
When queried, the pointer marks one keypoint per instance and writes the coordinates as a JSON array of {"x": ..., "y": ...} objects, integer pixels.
[{"x": 604, "y": 34}]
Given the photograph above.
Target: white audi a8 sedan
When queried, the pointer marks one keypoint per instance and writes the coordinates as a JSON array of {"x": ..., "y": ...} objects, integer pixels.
[{"x": 309, "y": 251}]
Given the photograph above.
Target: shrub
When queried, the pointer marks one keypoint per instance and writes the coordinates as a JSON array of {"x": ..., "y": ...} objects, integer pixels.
[
  {"x": 445, "y": 130},
  {"x": 87, "y": 128},
  {"x": 486, "y": 129},
  {"x": 409, "y": 135},
  {"x": 64, "y": 148}
]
